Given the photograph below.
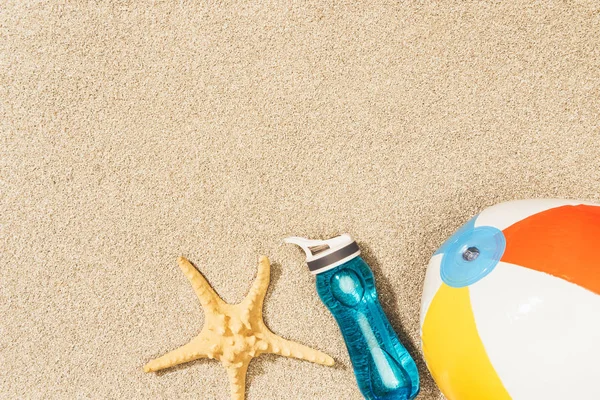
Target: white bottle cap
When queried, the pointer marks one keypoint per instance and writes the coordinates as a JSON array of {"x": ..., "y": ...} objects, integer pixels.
[{"x": 323, "y": 255}]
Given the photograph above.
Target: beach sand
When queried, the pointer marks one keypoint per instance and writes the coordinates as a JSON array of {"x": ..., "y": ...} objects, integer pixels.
[{"x": 134, "y": 134}]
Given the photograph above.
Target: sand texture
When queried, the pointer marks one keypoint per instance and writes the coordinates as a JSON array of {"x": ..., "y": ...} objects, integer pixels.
[{"x": 132, "y": 133}]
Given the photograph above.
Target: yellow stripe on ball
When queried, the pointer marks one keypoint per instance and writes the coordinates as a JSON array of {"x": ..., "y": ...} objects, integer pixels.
[{"x": 453, "y": 349}]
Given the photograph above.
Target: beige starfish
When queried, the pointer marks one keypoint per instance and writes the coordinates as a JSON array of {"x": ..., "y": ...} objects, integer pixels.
[{"x": 234, "y": 333}]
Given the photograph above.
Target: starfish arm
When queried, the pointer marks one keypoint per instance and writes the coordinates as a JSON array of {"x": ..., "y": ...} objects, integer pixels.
[
  {"x": 194, "y": 350},
  {"x": 256, "y": 296},
  {"x": 207, "y": 296},
  {"x": 237, "y": 379},
  {"x": 288, "y": 348}
]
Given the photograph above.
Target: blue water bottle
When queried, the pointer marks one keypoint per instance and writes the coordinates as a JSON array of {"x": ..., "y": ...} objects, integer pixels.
[{"x": 383, "y": 367}]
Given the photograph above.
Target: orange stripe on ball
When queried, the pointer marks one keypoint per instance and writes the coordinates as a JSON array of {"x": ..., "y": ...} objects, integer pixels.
[{"x": 563, "y": 242}]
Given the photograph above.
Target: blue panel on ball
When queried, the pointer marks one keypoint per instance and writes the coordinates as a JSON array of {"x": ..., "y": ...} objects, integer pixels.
[{"x": 470, "y": 254}]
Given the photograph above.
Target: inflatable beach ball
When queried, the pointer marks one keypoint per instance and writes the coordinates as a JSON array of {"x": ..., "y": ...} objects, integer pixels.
[{"x": 511, "y": 304}]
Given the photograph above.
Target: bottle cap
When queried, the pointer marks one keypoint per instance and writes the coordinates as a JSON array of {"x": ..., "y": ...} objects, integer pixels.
[{"x": 323, "y": 255}]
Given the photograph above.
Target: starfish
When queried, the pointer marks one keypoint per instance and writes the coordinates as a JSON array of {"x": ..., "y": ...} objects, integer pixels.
[{"x": 234, "y": 333}]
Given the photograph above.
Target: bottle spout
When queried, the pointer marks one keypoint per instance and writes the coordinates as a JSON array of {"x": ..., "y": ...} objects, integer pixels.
[
  {"x": 310, "y": 247},
  {"x": 322, "y": 255}
]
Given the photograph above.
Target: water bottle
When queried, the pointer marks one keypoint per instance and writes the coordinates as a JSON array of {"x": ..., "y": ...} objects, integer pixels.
[{"x": 383, "y": 367}]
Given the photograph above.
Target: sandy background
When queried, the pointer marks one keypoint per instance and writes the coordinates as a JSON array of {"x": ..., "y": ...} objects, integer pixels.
[{"x": 131, "y": 135}]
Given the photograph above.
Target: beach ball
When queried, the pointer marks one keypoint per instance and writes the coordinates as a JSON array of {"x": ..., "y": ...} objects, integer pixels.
[{"x": 511, "y": 304}]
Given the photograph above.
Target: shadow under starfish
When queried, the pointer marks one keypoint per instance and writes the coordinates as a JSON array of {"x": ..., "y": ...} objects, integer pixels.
[{"x": 234, "y": 333}]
